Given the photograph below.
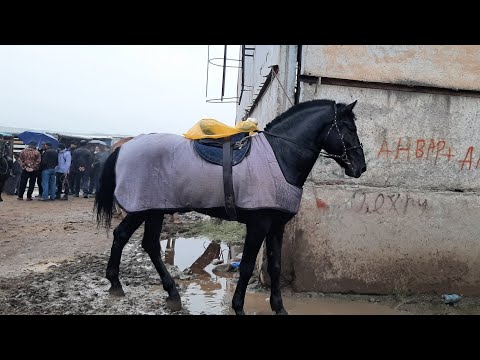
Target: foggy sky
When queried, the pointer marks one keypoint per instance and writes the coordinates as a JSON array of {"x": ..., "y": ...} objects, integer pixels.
[{"x": 112, "y": 89}]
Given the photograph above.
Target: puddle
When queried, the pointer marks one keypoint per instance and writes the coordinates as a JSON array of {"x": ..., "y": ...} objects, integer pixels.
[
  {"x": 205, "y": 294},
  {"x": 258, "y": 304},
  {"x": 211, "y": 294}
]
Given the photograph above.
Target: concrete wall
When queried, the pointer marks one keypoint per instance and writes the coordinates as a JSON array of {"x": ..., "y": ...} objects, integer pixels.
[
  {"x": 391, "y": 240},
  {"x": 256, "y": 69},
  {"x": 273, "y": 101},
  {"x": 405, "y": 226},
  {"x": 446, "y": 66},
  {"x": 410, "y": 223},
  {"x": 411, "y": 140}
]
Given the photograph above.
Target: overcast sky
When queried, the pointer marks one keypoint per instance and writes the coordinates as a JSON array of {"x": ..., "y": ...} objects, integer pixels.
[{"x": 125, "y": 89}]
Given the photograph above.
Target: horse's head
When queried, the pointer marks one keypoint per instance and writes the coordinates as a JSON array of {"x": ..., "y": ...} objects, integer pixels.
[{"x": 342, "y": 143}]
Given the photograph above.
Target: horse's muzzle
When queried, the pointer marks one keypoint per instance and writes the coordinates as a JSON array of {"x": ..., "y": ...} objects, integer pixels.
[{"x": 356, "y": 173}]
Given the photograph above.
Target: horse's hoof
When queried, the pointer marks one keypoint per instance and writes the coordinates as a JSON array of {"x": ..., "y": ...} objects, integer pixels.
[
  {"x": 282, "y": 312},
  {"x": 239, "y": 312},
  {"x": 174, "y": 305},
  {"x": 118, "y": 291}
]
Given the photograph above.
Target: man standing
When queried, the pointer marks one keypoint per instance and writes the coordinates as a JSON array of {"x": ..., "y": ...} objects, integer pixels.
[
  {"x": 94, "y": 152},
  {"x": 5, "y": 152},
  {"x": 62, "y": 169},
  {"x": 82, "y": 161},
  {"x": 72, "y": 172},
  {"x": 49, "y": 162},
  {"x": 39, "y": 172},
  {"x": 98, "y": 164},
  {"x": 13, "y": 183},
  {"x": 29, "y": 160}
]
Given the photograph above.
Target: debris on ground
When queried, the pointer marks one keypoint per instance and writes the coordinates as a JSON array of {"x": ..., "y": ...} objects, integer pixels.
[{"x": 451, "y": 299}]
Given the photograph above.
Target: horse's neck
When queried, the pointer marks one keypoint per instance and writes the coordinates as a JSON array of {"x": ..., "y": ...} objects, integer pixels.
[
  {"x": 295, "y": 162},
  {"x": 297, "y": 157}
]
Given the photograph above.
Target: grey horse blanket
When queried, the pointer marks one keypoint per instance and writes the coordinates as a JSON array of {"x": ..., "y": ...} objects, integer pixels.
[{"x": 163, "y": 171}]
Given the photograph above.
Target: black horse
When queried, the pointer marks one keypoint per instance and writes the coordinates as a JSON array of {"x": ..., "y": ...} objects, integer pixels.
[{"x": 296, "y": 138}]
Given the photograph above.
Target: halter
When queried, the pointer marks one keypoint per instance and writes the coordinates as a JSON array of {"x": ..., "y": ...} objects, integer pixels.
[{"x": 343, "y": 157}]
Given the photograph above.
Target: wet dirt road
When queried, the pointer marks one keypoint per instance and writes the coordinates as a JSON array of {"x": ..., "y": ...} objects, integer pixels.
[{"x": 53, "y": 260}]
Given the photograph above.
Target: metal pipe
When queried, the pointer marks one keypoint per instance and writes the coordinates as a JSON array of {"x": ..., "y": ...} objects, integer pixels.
[
  {"x": 224, "y": 70},
  {"x": 208, "y": 63}
]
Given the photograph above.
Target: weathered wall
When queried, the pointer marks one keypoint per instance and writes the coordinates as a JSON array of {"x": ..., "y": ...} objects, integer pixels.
[
  {"x": 256, "y": 69},
  {"x": 410, "y": 223},
  {"x": 411, "y": 140},
  {"x": 446, "y": 66},
  {"x": 273, "y": 101},
  {"x": 404, "y": 224},
  {"x": 391, "y": 240}
]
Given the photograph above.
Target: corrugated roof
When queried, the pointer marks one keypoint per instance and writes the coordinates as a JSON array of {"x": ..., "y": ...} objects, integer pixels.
[{"x": 15, "y": 130}]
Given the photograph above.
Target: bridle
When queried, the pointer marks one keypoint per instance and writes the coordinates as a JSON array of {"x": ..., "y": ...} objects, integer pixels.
[{"x": 344, "y": 157}]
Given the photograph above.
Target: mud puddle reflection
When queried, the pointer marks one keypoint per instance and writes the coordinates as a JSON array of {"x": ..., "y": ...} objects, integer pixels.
[
  {"x": 210, "y": 292},
  {"x": 206, "y": 292}
]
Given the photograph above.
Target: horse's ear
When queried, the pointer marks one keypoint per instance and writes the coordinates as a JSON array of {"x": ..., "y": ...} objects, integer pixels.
[{"x": 351, "y": 106}]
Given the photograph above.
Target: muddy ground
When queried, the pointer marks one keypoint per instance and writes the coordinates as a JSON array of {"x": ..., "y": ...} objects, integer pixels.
[{"x": 53, "y": 260}]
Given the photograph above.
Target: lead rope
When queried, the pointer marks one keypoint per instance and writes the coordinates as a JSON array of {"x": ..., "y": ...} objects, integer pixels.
[{"x": 344, "y": 156}]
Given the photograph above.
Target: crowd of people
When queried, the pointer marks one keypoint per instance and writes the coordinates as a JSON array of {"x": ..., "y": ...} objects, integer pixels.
[{"x": 56, "y": 172}]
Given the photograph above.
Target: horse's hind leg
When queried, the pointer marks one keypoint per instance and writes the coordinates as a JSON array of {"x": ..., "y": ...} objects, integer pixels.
[
  {"x": 256, "y": 232},
  {"x": 274, "y": 257},
  {"x": 151, "y": 244},
  {"x": 121, "y": 235}
]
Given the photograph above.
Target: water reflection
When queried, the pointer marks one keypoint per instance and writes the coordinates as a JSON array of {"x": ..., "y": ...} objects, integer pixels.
[
  {"x": 211, "y": 253},
  {"x": 210, "y": 293},
  {"x": 170, "y": 252},
  {"x": 207, "y": 292}
]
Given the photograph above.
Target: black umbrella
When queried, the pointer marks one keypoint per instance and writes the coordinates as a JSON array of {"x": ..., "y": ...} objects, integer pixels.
[{"x": 98, "y": 142}]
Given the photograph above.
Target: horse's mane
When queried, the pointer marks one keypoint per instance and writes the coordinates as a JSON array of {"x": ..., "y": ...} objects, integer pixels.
[
  {"x": 120, "y": 143},
  {"x": 297, "y": 107}
]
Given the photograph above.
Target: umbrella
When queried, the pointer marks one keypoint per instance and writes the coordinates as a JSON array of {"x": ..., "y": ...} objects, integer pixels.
[
  {"x": 98, "y": 142},
  {"x": 38, "y": 137}
]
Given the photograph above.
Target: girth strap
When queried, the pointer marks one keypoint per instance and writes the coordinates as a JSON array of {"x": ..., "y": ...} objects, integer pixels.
[{"x": 228, "y": 179}]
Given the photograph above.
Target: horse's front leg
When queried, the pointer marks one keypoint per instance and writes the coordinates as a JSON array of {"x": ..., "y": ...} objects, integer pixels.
[
  {"x": 274, "y": 258},
  {"x": 151, "y": 244},
  {"x": 256, "y": 231},
  {"x": 121, "y": 235}
]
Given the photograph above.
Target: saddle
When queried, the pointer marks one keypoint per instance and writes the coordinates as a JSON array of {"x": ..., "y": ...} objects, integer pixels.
[
  {"x": 212, "y": 149},
  {"x": 227, "y": 152}
]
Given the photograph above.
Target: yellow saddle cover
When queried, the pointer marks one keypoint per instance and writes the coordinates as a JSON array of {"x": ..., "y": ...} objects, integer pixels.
[{"x": 214, "y": 129}]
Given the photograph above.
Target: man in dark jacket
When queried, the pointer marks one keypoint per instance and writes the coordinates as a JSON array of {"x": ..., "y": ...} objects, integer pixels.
[
  {"x": 72, "y": 172},
  {"x": 82, "y": 161},
  {"x": 39, "y": 172},
  {"x": 49, "y": 162},
  {"x": 13, "y": 183},
  {"x": 5, "y": 153},
  {"x": 98, "y": 164}
]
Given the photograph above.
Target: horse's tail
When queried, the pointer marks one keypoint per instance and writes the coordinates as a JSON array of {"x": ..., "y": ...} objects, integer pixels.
[{"x": 104, "y": 199}]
